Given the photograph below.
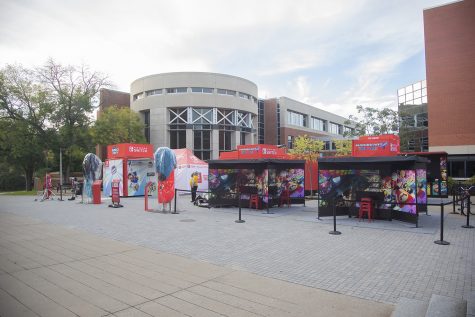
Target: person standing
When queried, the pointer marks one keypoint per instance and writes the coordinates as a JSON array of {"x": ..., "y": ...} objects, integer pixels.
[{"x": 193, "y": 186}]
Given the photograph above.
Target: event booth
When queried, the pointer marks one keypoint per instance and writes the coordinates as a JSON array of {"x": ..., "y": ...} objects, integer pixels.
[
  {"x": 265, "y": 179},
  {"x": 436, "y": 173},
  {"x": 395, "y": 184},
  {"x": 187, "y": 164},
  {"x": 131, "y": 165}
]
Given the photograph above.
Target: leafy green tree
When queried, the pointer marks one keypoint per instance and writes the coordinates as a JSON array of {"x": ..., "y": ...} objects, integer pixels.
[
  {"x": 74, "y": 92},
  {"x": 25, "y": 108},
  {"x": 118, "y": 125},
  {"x": 307, "y": 149},
  {"x": 343, "y": 147},
  {"x": 52, "y": 106},
  {"x": 372, "y": 121},
  {"x": 23, "y": 100},
  {"x": 21, "y": 147}
]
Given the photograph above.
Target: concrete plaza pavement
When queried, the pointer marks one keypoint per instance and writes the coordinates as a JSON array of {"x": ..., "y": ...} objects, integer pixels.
[{"x": 366, "y": 269}]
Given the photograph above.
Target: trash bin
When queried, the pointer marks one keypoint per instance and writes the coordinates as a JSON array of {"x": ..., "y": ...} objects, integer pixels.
[{"x": 96, "y": 192}]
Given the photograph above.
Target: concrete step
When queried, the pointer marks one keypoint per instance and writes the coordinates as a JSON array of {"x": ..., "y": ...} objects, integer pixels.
[
  {"x": 444, "y": 306},
  {"x": 406, "y": 307}
]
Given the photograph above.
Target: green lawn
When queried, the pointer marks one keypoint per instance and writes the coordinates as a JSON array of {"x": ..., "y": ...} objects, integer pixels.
[{"x": 21, "y": 193}]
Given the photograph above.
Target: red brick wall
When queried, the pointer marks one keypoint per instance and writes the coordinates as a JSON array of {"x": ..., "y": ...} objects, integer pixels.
[
  {"x": 107, "y": 98},
  {"x": 450, "y": 66},
  {"x": 270, "y": 128},
  {"x": 110, "y": 97}
]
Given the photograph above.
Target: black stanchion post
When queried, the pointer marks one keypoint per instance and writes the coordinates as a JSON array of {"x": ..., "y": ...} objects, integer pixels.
[
  {"x": 268, "y": 212},
  {"x": 174, "y": 203},
  {"x": 335, "y": 232},
  {"x": 60, "y": 192},
  {"x": 468, "y": 226},
  {"x": 239, "y": 205},
  {"x": 453, "y": 203},
  {"x": 441, "y": 241}
]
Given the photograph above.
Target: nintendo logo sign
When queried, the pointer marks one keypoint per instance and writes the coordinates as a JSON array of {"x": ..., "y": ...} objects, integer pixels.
[{"x": 138, "y": 149}]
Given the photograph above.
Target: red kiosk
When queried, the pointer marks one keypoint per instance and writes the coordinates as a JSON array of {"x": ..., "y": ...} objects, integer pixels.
[
  {"x": 130, "y": 164},
  {"x": 378, "y": 145}
]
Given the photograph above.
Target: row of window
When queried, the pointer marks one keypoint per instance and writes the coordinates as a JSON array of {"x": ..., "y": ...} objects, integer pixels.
[
  {"x": 191, "y": 115},
  {"x": 203, "y": 90},
  {"x": 415, "y": 94},
  {"x": 202, "y": 141},
  {"x": 414, "y": 121},
  {"x": 300, "y": 119}
]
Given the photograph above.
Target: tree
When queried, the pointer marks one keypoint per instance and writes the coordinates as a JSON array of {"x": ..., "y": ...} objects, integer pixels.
[
  {"x": 373, "y": 121},
  {"x": 21, "y": 147},
  {"x": 51, "y": 106},
  {"x": 118, "y": 125},
  {"x": 307, "y": 149},
  {"x": 343, "y": 147},
  {"x": 23, "y": 100},
  {"x": 25, "y": 109},
  {"x": 73, "y": 91}
]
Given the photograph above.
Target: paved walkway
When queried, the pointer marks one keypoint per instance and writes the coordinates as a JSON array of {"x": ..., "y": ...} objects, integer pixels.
[
  {"x": 380, "y": 261},
  {"x": 49, "y": 270}
]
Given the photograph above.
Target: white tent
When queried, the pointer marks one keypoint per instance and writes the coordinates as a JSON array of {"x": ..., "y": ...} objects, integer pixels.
[{"x": 188, "y": 163}]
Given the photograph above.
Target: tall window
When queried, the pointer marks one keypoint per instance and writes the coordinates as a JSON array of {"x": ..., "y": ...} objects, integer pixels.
[
  {"x": 243, "y": 138},
  {"x": 290, "y": 142},
  {"x": 317, "y": 124},
  {"x": 202, "y": 144},
  {"x": 295, "y": 118},
  {"x": 177, "y": 127},
  {"x": 260, "y": 121},
  {"x": 334, "y": 128},
  {"x": 146, "y": 119},
  {"x": 225, "y": 138},
  {"x": 177, "y": 139}
]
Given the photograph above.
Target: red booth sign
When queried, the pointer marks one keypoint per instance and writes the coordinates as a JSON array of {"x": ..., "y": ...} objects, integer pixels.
[
  {"x": 381, "y": 145},
  {"x": 258, "y": 151},
  {"x": 129, "y": 150},
  {"x": 115, "y": 192}
]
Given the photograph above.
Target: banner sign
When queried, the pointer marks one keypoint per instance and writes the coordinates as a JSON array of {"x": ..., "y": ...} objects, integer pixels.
[
  {"x": 129, "y": 150},
  {"x": 382, "y": 145}
]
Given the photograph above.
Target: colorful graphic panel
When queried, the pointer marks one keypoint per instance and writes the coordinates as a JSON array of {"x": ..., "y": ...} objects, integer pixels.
[
  {"x": 139, "y": 173},
  {"x": 405, "y": 190},
  {"x": 344, "y": 184},
  {"x": 421, "y": 186},
  {"x": 113, "y": 170}
]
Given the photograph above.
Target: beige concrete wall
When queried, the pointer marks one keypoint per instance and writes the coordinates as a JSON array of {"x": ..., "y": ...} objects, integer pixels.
[
  {"x": 290, "y": 104},
  {"x": 159, "y": 104},
  {"x": 187, "y": 79}
]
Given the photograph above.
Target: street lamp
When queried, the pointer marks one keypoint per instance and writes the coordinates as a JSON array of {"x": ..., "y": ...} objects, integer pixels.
[{"x": 60, "y": 174}]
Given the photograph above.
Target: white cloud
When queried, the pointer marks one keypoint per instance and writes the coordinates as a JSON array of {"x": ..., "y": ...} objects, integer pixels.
[{"x": 319, "y": 52}]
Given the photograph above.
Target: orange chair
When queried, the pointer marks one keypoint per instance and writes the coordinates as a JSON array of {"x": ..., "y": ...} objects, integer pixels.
[
  {"x": 285, "y": 197},
  {"x": 254, "y": 200},
  {"x": 366, "y": 207}
]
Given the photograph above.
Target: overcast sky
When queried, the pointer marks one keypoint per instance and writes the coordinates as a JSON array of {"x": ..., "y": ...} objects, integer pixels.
[{"x": 333, "y": 54}]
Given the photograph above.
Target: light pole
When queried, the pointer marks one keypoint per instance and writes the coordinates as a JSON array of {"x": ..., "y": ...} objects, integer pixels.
[{"x": 60, "y": 174}]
